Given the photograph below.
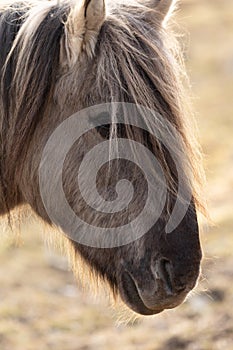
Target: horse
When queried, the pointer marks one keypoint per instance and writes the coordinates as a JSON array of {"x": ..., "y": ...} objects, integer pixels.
[{"x": 59, "y": 58}]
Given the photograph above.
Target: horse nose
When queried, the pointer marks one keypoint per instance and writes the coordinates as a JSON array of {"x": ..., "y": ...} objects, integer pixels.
[
  {"x": 151, "y": 290},
  {"x": 164, "y": 272},
  {"x": 157, "y": 284}
]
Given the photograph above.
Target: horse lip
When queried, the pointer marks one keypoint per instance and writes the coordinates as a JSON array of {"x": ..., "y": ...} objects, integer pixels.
[{"x": 131, "y": 296}]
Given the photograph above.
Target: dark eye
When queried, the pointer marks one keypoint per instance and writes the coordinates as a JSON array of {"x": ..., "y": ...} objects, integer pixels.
[{"x": 104, "y": 130}]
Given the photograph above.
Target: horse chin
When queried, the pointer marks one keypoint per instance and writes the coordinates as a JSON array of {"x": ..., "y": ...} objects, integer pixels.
[
  {"x": 131, "y": 297},
  {"x": 141, "y": 309},
  {"x": 136, "y": 304}
]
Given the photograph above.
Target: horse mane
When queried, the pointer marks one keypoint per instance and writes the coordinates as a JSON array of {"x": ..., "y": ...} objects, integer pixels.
[
  {"x": 30, "y": 42},
  {"x": 30, "y": 46},
  {"x": 30, "y": 68}
]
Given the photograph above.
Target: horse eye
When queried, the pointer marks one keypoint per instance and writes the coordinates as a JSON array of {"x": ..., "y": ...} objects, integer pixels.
[{"x": 104, "y": 130}]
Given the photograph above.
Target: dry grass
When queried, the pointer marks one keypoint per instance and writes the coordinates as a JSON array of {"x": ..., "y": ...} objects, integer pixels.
[{"x": 41, "y": 307}]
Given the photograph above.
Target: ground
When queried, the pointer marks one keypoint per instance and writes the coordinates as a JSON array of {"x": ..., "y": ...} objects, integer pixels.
[{"x": 41, "y": 305}]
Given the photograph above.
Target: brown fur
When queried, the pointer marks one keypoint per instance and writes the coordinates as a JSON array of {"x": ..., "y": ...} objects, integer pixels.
[{"x": 58, "y": 58}]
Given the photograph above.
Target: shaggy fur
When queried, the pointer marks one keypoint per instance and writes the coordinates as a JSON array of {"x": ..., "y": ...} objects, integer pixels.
[{"x": 57, "y": 58}]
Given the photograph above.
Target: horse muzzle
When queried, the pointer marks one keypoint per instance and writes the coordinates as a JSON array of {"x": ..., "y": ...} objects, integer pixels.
[{"x": 151, "y": 292}]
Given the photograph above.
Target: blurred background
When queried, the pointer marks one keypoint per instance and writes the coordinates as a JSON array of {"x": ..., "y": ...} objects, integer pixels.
[{"x": 42, "y": 306}]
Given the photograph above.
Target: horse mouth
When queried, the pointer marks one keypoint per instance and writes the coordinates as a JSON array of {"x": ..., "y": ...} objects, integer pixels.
[
  {"x": 131, "y": 297},
  {"x": 156, "y": 303}
]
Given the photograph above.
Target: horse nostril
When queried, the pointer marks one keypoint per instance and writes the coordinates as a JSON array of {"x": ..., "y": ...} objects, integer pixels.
[
  {"x": 150, "y": 290},
  {"x": 164, "y": 269}
]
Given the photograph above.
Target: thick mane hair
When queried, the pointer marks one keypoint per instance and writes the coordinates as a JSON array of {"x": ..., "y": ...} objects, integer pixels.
[
  {"x": 30, "y": 67},
  {"x": 29, "y": 64}
]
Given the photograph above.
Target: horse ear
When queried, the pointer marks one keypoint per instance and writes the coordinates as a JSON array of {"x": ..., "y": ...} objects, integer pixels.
[
  {"x": 94, "y": 14},
  {"x": 163, "y": 8},
  {"x": 82, "y": 28}
]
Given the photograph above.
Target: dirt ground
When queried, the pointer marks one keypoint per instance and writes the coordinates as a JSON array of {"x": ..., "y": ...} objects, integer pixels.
[{"x": 41, "y": 305}]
